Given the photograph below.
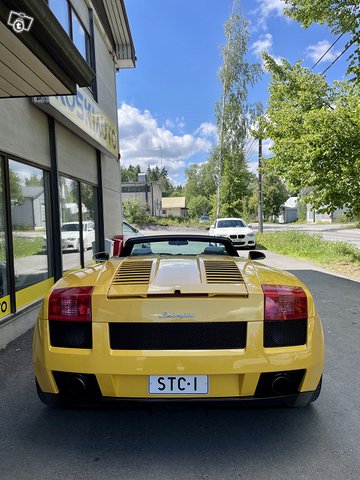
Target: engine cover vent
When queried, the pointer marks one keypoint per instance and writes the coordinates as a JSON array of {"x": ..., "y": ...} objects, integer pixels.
[
  {"x": 222, "y": 272},
  {"x": 133, "y": 273}
]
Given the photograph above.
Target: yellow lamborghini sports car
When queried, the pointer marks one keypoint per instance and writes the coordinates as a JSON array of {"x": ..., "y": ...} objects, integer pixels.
[{"x": 179, "y": 318}]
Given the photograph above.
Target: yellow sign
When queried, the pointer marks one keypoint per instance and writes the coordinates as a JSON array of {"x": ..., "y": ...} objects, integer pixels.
[
  {"x": 82, "y": 111},
  {"x": 5, "y": 306}
]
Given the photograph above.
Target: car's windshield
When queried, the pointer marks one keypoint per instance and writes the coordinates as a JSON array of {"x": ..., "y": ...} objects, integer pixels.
[
  {"x": 70, "y": 227},
  {"x": 230, "y": 223},
  {"x": 178, "y": 247}
]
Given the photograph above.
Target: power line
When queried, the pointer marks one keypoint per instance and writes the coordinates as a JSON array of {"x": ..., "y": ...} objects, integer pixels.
[
  {"x": 250, "y": 146},
  {"x": 340, "y": 54},
  {"x": 335, "y": 41},
  {"x": 327, "y": 51},
  {"x": 251, "y": 152}
]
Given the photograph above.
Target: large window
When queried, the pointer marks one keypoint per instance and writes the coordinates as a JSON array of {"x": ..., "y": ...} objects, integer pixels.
[
  {"x": 90, "y": 217},
  {"x": 78, "y": 222},
  {"x": 72, "y": 25},
  {"x": 80, "y": 37},
  {"x": 29, "y": 225},
  {"x": 60, "y": 8},
  {"x": 4, "y": 288}
]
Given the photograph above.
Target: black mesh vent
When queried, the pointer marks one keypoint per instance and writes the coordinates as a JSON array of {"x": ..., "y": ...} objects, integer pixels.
[
  {"x": 177, "y": 336},
  {"x": 70, "y": 334},
  {"x": 285, "y": 333}
]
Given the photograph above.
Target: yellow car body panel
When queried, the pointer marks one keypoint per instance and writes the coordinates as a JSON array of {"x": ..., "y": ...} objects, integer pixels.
[{"x": 177, "y": 289}]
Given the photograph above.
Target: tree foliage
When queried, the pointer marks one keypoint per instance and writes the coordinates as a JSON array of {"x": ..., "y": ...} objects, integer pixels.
[
  {"x": 131, "y": 174},
  {"x": 135, "y": 211},
  {"x": 199, "y": 205},
  {"x": 274, "y": 195},
  {"x": 232, "y": 114},
  {"x": 340, "y": 15},
  {"x": 315, "y": 130}
]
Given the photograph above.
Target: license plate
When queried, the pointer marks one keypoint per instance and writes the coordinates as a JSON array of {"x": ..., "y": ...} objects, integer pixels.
[{"x": 178, "y": 385}]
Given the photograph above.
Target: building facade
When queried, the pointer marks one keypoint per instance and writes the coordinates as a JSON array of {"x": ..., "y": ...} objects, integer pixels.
[
  {"x": 148, "y": 193},
  {"x": 174, "y": 207},
  {"x": 59, "y": 153}
]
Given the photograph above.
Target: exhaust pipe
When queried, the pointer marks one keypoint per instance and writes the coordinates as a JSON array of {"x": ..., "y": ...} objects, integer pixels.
[
  {"x": 76, "y": 385},
  {"x": 281, "y": 384}
]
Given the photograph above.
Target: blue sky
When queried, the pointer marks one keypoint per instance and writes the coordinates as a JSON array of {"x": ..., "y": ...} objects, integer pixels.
[{"x": 166, "y": 104}]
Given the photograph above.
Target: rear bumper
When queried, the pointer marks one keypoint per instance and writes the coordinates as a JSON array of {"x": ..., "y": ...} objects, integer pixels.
[
  {"x": 233, "y": 374},
  {"x": 298, "y": 400}
]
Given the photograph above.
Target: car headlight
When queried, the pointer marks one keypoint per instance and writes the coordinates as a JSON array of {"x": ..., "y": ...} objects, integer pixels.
[{"x": 251, "y": 234}]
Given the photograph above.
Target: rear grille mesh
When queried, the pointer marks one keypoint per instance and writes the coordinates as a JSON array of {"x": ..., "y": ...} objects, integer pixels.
[
  {"x": 70, "y": 334},
  {"x": 177, "y": 336},
  {"x": 285, "y": 333},
  {"x": 133, "y": 273},
  {"x": 222, "y": 272}
]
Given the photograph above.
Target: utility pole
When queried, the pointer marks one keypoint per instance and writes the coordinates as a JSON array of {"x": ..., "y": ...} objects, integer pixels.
[{"x": 260, "y": 204}]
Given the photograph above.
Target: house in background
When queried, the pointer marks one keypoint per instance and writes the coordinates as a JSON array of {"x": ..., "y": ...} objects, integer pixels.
[
  {"x": 30, "y": 214},
  {"x": 149, "y": 193},
  {"x": 312, "y": 216},
  {"x": 174, "y": 207},
  {"x": 289, "y": 212}
]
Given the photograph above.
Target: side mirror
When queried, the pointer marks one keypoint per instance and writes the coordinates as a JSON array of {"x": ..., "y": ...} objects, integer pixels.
[
  {"x": 101, "y": 256},
  {"x": 256, "y": 255},
  {"x": 250, "y": 225}
]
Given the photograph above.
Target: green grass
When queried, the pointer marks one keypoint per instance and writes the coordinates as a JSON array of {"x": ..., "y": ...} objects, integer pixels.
[
  {"x": 24, "y": 247},
  {"x": 310, "y": 247}
]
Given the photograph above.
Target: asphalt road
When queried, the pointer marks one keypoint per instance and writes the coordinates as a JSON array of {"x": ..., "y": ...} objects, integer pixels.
[{"x": 322, "y": 441}]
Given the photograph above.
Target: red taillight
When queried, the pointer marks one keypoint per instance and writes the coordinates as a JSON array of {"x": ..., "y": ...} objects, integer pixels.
[
  {"x": 71, "y": 304},
  {"x": 284, "y": 303}
]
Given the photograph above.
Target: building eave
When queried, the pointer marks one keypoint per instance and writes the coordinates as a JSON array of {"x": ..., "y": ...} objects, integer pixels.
[
  {"x": 41, "y": 61},
  {"x": 125, "y": 56}
]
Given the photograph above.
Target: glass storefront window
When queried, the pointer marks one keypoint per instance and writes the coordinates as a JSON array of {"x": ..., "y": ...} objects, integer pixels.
[
  {"x": 4, "y": 289},
  {"x": 28, "y": 217},
  {"x": 89, "y": 215},
  {"x": 70, "y": 223}
]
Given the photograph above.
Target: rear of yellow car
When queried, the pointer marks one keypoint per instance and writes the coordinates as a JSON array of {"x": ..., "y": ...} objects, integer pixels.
[{"x": 173, "y": 330}]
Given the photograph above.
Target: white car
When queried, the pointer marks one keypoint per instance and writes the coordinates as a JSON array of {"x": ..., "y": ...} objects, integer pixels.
[
  {"x": 236, "y": 229},
  {"x": 70, "y": 235}
]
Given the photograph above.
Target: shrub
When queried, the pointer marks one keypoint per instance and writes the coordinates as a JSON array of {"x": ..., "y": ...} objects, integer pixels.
[{"x": 135, "y": 211}]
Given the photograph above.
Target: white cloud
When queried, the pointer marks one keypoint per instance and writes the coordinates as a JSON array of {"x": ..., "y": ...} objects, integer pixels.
[
  {"x": 264, "y": 43},
  {"x": 207, "y": 129},
  {"x": 271, "y": 7},
  {"x": 177, "y": 124},
  {"x": 267, "y": 8},
  {"x": 141, "y": 136},
  {"x": 266, "y": 147},
  {"x": 314, "y": 52}
]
